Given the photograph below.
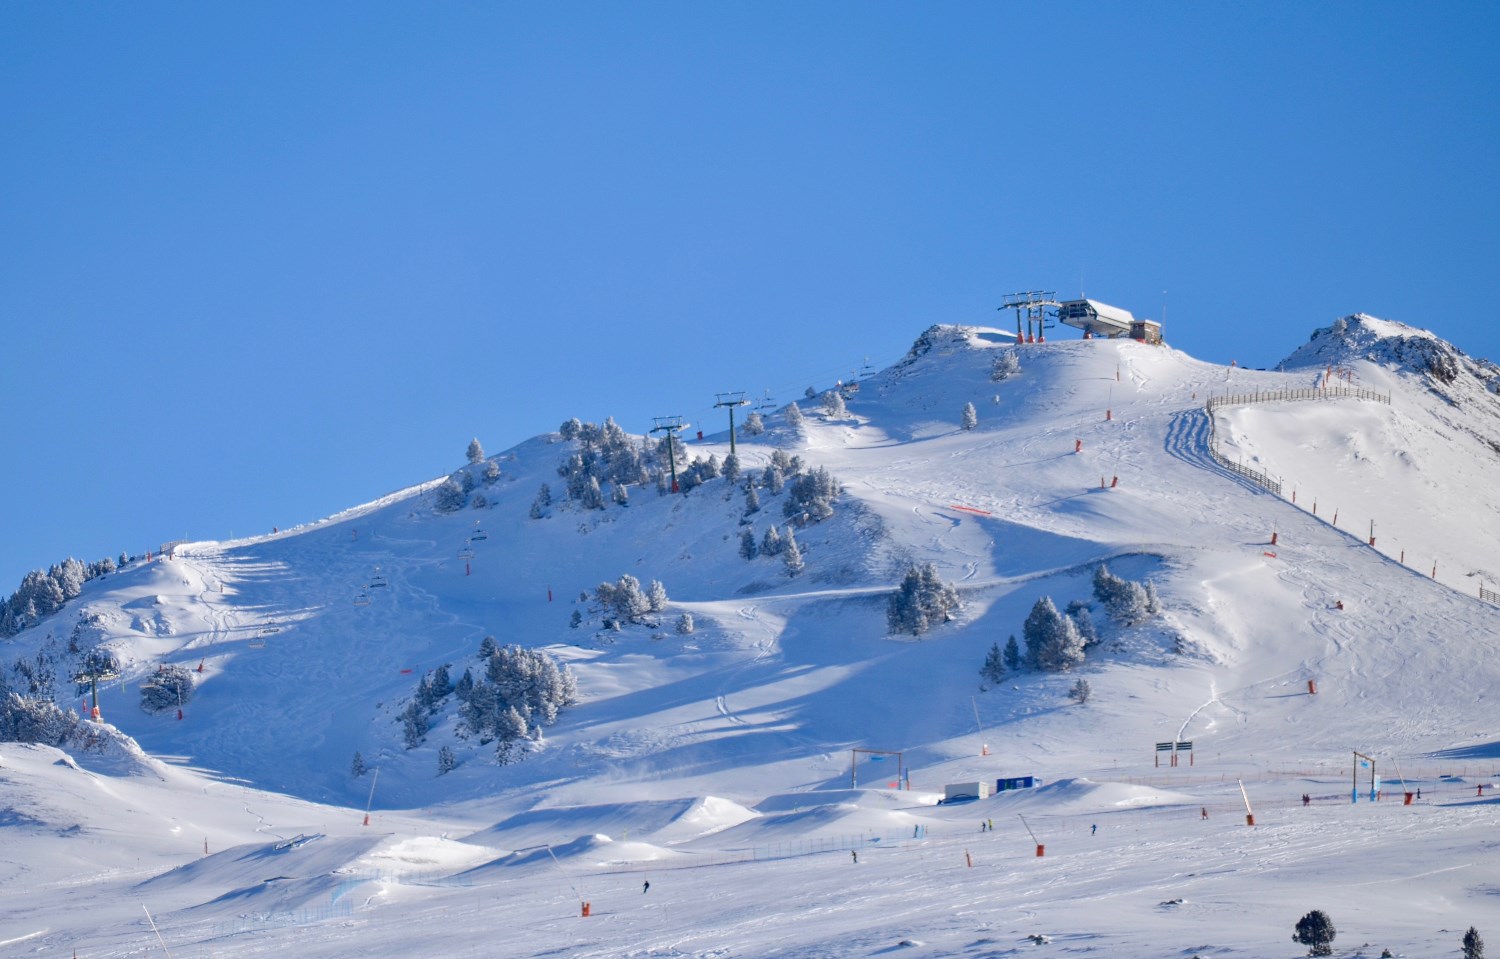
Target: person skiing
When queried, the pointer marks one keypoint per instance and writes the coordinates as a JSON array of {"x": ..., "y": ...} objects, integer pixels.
[
  {"x": 855, "y": 854},
  {"x": 645, "y": 887},
  {"x": 1093, "y": 828},
  {"x": 1204, "y": 811}
]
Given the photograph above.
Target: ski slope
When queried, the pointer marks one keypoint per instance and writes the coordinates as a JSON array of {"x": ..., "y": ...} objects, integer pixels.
[{"x": 716, "y": 765}]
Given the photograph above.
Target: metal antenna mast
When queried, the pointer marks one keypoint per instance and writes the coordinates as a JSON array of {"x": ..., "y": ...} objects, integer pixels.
[
  {"x": 730, "y": 400},
  {"x": 669, "y": 425}
]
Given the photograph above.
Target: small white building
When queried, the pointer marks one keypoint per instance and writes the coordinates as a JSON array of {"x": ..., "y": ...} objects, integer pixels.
[{"x": 954, "y": 792}]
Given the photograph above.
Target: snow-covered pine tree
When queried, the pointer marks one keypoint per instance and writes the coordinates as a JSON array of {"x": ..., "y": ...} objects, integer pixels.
[
  {"x": 970, "y": 417},
  {"x": 922, "y": 601},
  {"x": 754, "y": 425},
  {"x": 542, "y": 501},
  {"x": 1080, "y": 691},
  {"x": 731, "y": 468},
  {"x": 656, "y": 596},
  {"x": 1126, "y": 602},
  {"x": 446, "y": 761},
  {"x": 575, "y": 620},
  {"x": 620, "y": 495},
  {"x": 810, "y": 499},
  {"x": 752, "y": 499},
  {"x": 793, "y": 415},
  {"x": 1078, "y": 612},
  {"x": 170, "y": 687},
  {"x": 475, "y": 452},
  {"x": 1052, "y": 641},
  {"x": 770, "y": 543},
  {"x": 1012, "y": 654},
  {"x": 791, "y": 554},
  {"x": 748, "y": 548},
  {"x": 685, "y": 624},
  {"x": 993, "y": 669},
  {"x": 491, "y": 473},
  {"x": 448, "y": 497},
  {"x": 833, "y": 405},
  {"x": 1006, "y": 365}
]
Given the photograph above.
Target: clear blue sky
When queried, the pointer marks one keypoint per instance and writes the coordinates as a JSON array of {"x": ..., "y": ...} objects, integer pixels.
[{"x": 262, "y": 262}]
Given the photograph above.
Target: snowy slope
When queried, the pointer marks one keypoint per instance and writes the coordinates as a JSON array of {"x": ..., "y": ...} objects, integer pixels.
[{"x": 726, "y": 752}]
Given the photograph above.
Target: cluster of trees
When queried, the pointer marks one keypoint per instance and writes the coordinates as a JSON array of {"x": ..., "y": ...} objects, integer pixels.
[
  {"x": 773, "y": 544},
  {"x": 35, "y": 719},
  {"x": 43, "y": 592},
  {"x": 624, "y": 602},
  {"x": 1058, "y": 641},
  {"x": 1316, "y": 931},
  {"x": 170, "y": 687},
  {"x": 458, "y": 490},
  {"x": 922, "y": 601},
  {"x": 518, "y": 692}
]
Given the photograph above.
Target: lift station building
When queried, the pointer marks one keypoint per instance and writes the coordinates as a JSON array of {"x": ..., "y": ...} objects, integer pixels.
[{"x": 1101, "y": 319}]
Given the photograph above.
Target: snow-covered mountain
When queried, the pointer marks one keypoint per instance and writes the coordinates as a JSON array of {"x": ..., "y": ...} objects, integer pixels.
[{"x": 1329, "y": 524}]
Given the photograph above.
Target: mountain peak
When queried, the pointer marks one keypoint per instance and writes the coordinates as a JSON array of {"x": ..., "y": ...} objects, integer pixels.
[{"x": 1394, "y": 345}]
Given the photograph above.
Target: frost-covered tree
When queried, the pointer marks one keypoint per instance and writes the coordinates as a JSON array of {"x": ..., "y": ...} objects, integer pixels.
[
  {"x": 1078, "y": 612},
  {"x": 570, "y": 429},
  {"x": 1315, "y": 930},
  {"x": 922, "y": 601},
  {"x": 754, "y": 425},
  {"x": 791, "y": 554},
  {"x": 731, "y": 468},
  {"x": 833, "y": 405},
  {"x": 1052, "y": 641},
  {"x": 446, "y": 761},
  {"x": 1080, "y": 691},
  {"x": 479, "y": 501},
  {"x": 752, "y": 500},
  {"x": 623, "y": 600},
  {"x": 1006, "y": 365},
  {"x": 475, "y": 451},
  {"x": 170, "y": 687},
  {"x": 793, "y": 415},
  {"x": 810, "y": 393},
  {"x": 448, "y": 497},
  {"x": 27, "y": 719},
  {"x": 620, "y": 495},
  {"x": 993, "y": 669},
  {"x": 1012, "y": 654},
  {"x": 773, "y": 478},
  {"x": 811, "y": 497},
  {"x": 1128, "y": 603},
  {"x": 542, "y": 501},
  {"x": 656, "y": 596},
  {"x": 970, "y": 417},
  {"x": 748, "y": 548},
  {"x": 415, "y": 723},
  {"x": 358, "y": 768},
  {"x": 491, "y": 473},
  {"x": 575, "y": 620},
  {"x": 770, "y": 543},
  {"x": 685, "y": 624}
]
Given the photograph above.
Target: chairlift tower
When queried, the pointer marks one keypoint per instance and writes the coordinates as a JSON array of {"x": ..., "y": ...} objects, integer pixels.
[
  {"x": 92, "y": 676},
  {"x": 1033, "y": 305},
  {"x": 669, "y": 425},
  {"x": 730, "y": 400}
]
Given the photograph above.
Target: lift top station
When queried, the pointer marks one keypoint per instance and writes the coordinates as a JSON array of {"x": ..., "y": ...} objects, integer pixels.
[{"x": 1038, "y": 308}]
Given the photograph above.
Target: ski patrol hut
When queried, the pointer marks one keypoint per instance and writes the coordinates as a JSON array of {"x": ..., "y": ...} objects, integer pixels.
[{"x": 1101, "y": 319}]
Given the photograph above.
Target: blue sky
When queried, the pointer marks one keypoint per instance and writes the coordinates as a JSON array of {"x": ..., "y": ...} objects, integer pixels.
[{"x": 262, "y": 263}]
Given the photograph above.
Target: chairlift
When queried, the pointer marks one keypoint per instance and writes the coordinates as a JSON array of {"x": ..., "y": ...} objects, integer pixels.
[
  {"x": 363, "y": 599},
  {"x": 377, "y": 581},
  {"x": 478, "y": 534},
  {"x": 257, "y": 643},
  {"x": 466, "y": 553},
  {"x": 270, "y": 628}
]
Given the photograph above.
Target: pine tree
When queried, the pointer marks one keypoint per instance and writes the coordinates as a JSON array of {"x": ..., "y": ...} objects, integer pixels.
[
  {"x": 752, "y": 500},
  {"x": 475, "y": 451},
  {"x": 1078, "y": 612},
  {"x": 1473, "y": 945},
  {"x": 1081, "y": 691},
  {"x": 358, "y": 768},
  {"x": 754, "y": 425},
  {"x": 970, "y": 417},
  {"x": 576, "y": 620},
  {"x": 731, "y": 468},
  {"x": 993, "y": 669},
  {"x": 791, "y": 554},
  {"x": 446, "y": 761},
  {"x": 793, "y": 415},
  {"x": 656, "y": 596},
  {"x": 922, "y": 601},
  {"x": 685, "y": 624},
  {"x": 748, "y": 549},
  {"x": 491, "y": 473},
  {"x": 770, "y": 543},
  {"x": 449, "y": 496},
  {"x": 1052, "y": 641},
  {"x": 1012, "y": 654},
  {"x": 1315, "y": 930},
  {"x": 1006, "y": 365},
  {"x": 833, "y": 405},
  {"x": 542, "y": 501}
]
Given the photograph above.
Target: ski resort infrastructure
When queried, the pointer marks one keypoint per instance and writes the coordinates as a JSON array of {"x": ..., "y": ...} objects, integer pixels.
[{"x": 1322, "y": 540}]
